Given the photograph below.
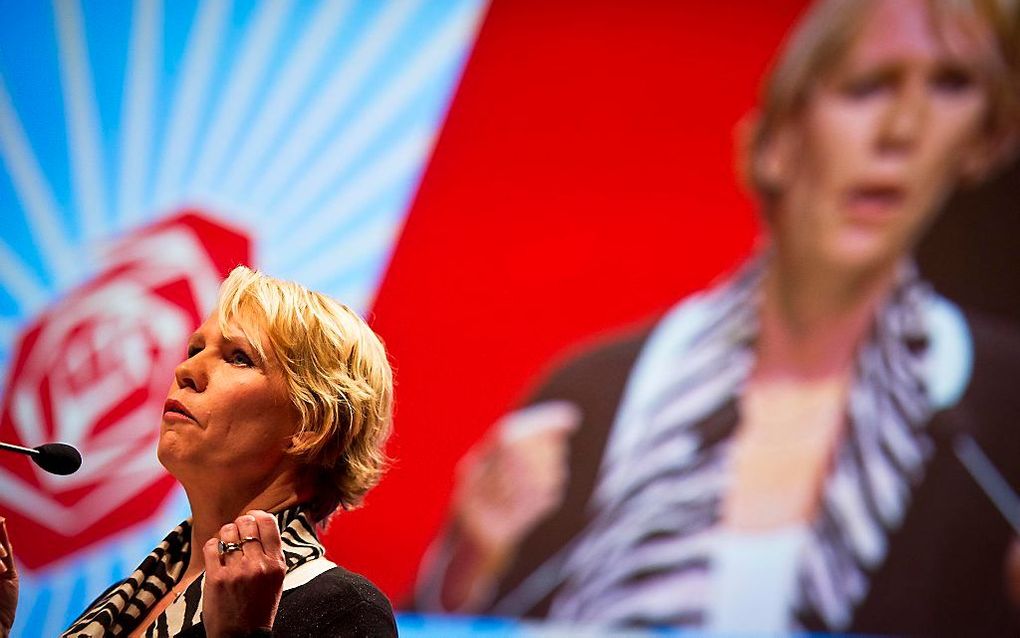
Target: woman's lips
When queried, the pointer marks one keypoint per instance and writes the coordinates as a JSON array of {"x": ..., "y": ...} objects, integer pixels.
[
  {"x": 175, "y": 411},
  {"x": 874, "y": 203},
  {"x": 177, "y": 417}
]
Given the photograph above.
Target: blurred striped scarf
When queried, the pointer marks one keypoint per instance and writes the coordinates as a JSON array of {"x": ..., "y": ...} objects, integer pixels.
[
  {"x": 120, "y": 609},
  {"x": 645, "y": 556}
]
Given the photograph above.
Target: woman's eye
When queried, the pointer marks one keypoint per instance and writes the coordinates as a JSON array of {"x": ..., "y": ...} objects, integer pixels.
[
  {"x": 952, "y": 80},
  {"x": 239, "y": 358},
  {"x": 866, "y": 86},
  {"x": 193, "y": 350}
]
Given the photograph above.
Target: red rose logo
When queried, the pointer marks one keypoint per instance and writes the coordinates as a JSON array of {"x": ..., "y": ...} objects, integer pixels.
[{"x": 93, "y": 371}]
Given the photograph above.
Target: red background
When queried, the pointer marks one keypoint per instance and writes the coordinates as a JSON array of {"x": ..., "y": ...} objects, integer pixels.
[{"x": 585, "y": 179}]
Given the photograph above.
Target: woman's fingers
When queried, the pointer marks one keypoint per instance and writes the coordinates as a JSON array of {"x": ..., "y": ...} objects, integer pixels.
[
  {"x": 242, "y": 592},
  {"x": 8, "y": 582},
  {"x": 561, "y": 418},
  {"x": 518, "y": 476},
  {"x": 257, "y": 534},
  {"x": 248, "y": 529},
  {"x": 7, "y": 569},
  {"x": 211, "y": 555},
  {"x": 269, "y": 533},
  {"x": 229, "y": 534}
]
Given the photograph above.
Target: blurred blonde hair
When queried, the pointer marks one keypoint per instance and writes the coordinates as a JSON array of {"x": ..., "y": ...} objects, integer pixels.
[
  {"x": 337, "y": 373},
  {"x": 822, "y": 37}
]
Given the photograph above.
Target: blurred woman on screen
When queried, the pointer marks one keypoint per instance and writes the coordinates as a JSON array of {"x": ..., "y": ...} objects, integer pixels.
[
  {"x": 771, "y": 456},
  {"x": 276, "y": 418}
]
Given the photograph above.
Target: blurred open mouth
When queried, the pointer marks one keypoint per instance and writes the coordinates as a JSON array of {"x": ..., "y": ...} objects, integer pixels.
[{"x": 874, "y": 203}]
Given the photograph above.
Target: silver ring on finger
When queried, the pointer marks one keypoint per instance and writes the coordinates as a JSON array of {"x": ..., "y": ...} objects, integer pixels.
[
  {"x": 249, "y": 539},
  {"x": 226, "y": 547}
]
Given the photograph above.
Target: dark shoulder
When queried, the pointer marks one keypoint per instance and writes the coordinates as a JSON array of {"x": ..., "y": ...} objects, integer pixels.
[
  {"x": 335, "y": 603},
  {"x": 339, "y": 584},
  {"x": 996, "y": 366},
  {"x": 598, "y": 364},
  {"x": 991, "y": 402},
  {"x": 996, "y": 341}
]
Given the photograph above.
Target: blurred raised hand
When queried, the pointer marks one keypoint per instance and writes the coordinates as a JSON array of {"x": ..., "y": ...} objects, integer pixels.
[{"x": 505, "y": 486}]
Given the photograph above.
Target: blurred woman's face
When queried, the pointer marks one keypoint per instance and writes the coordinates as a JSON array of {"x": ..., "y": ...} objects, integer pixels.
[
  {"x": 881, "y": 142},
  {"x": 228, "y": 413}
]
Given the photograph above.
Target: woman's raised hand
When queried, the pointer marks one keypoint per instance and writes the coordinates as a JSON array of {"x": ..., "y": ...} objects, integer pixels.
[
  {"x": 8, "y": 583},
  {"x": 505, "y": 486},
  {"x": 516, "y": 476},
  {"x": 243, "y": 586}
]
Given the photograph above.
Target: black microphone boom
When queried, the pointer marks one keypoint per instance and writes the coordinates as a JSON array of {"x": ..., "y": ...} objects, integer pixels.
[{"x": 55, "y": 458}]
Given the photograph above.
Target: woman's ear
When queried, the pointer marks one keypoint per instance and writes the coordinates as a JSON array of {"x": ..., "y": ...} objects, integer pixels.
[
  {"x": 766, "y": 153},
  {"x": 774, "y": 161}
]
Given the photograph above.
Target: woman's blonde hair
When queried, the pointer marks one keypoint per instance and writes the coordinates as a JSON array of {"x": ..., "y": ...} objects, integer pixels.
[
  {"x": 337, "y": 373},
  {"x": 822, "y": 38}
]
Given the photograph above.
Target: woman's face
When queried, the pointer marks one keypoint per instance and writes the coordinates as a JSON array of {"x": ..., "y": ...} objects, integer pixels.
[
  {"x": 881, "y": 141},
  {"x": 227, "y": 413}
]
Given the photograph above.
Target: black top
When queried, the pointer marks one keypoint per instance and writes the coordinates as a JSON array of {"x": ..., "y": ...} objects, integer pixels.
[{"x": 335, "y": 604}]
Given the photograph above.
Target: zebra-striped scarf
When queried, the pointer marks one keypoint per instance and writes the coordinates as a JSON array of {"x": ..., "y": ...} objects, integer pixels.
[
  {"x": 119, "y": 609},
  {"x": 645, "y": 557}
]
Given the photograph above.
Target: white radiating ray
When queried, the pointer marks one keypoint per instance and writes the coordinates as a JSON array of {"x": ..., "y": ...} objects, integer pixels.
[
  {"x": 83, "y": 127},
  {"x": 341, "y": 88},
  {"x": 441, "y": 49},
  {"x": 27, "y": 419},
  {"x": 145, "y": 51},
  {"x": 256, "y": 51},
  {"x": 353, "y": 250},
  {"x": 30, "y": 591},
  {"x": 313, "y": 44},
  {"x": 19, "y": 282},
  {"x": 35, "y": 196},
  {"x": 196, "y": 72},
  {"x": 94, "y": 577},
  {"x": 60, "y": 598},
  {"x": 363, "y": 188}
]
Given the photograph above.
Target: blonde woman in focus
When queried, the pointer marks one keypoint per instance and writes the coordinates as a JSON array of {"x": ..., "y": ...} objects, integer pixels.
[{"x": 276, "y": 417}]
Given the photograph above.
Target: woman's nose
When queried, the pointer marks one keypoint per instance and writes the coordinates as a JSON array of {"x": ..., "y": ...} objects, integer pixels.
[
  {"x": 191, "y": 374},
  {"x": 904, "y": 120}
]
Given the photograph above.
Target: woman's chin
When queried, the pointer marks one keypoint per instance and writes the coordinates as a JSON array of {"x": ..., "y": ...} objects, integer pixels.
[
  {"x": 856, "y": 251},
  {"x": 171, "y": 452}
]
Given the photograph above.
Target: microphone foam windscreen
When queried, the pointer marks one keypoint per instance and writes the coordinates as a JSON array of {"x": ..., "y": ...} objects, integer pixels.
[{"x": 58, "y": 458}]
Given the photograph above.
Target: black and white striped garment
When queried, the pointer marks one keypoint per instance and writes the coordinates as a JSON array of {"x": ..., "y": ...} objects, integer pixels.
[
  {"x": 646, "y": 556},
  {"x": 119, "y": 609}
]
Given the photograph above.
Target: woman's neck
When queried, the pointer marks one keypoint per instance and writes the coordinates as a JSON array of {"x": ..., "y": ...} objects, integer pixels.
[
  {"x": 812, "y": 320},
  {"x": 211, "y": 510}
]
